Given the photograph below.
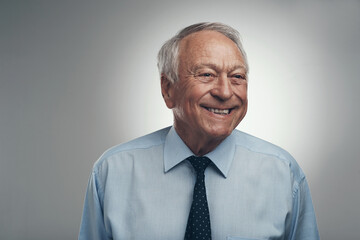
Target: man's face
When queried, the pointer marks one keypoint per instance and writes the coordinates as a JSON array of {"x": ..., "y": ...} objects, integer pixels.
[{"x": 210, "y": 98}]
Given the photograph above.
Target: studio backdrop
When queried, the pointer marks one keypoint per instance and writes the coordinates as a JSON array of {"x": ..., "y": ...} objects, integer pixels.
[{"x": 77, "y": 77}]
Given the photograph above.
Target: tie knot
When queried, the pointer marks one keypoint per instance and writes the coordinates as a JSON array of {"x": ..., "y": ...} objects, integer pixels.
[{"x": 199, "y": 163}]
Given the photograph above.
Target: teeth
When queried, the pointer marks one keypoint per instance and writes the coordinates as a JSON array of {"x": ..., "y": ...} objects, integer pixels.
[{"x": 219, "y": 111}]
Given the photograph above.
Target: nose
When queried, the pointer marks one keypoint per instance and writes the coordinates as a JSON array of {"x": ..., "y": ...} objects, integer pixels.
[{"x": 222, "y": 88}]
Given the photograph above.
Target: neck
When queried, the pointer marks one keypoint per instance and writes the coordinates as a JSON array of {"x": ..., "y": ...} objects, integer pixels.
[{"x": 199, "y": 144}]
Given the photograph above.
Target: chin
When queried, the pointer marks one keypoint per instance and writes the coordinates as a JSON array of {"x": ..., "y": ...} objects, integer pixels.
[{"x": 219, "y": 133}]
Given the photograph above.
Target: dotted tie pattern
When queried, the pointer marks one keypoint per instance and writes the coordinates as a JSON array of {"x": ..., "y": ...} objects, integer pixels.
[{"x": 198, "y": 225}]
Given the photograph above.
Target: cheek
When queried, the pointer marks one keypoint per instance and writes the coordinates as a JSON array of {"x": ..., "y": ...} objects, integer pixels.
[
  {"x": 189, "y": 95},
  {"x": 183, "y": 105},
  {"x": 241, "y": 92}
]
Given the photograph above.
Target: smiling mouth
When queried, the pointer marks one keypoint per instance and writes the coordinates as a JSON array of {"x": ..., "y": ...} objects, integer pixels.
[{"x": 219, "y": 111}]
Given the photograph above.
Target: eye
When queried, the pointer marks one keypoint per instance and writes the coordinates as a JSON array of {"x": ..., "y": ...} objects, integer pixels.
[
  {"x": 206, "y": 74},
  {"x": 239, "y": 76},
  {"x": 238, "y": 79}
]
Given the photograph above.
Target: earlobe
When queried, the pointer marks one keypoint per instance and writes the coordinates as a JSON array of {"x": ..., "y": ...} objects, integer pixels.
[{"x": 167, "y": 91}]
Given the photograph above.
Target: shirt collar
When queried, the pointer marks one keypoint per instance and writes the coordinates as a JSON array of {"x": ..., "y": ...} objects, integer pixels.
[{"x": 175, "y": 151}]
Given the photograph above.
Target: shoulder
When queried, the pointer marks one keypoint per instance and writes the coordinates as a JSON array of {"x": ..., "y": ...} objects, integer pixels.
[
  {"x": 261, "y": 147},
  {"x": 139, "y": 144}
]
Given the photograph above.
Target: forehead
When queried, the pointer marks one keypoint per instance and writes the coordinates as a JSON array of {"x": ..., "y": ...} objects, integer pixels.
[{"x": 208, "y": 45}]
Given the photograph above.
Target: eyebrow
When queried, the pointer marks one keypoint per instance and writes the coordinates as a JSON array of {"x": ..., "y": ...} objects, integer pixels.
[{"x": 214, "y": 66}]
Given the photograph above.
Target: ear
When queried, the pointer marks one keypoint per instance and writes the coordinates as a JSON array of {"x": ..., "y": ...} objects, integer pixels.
[{"x": 167, "y": 91}]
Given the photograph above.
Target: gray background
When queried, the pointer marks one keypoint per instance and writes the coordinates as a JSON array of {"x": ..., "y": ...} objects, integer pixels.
[{"x": 77, "y": 77}]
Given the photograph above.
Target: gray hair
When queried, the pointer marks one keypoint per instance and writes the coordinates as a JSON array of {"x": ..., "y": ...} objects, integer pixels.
[{"x": 168, "y": 56}]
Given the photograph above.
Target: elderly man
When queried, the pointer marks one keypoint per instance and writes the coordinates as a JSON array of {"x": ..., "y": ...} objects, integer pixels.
[{"x": 200, "y": 178}]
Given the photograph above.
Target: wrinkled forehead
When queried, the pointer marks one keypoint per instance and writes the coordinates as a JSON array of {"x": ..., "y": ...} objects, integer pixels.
[
  {"x": 197, "y": 39},
  {"x": 208, "y": 44}
]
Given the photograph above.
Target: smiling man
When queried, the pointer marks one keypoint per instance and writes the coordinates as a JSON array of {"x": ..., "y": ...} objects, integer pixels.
[
  {"x": 210, "y": 97},
  {"x": 200, "y": 178}
]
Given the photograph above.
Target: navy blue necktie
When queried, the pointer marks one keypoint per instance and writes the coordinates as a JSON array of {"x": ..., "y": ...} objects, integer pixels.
[{"x": 198, "y": 225}]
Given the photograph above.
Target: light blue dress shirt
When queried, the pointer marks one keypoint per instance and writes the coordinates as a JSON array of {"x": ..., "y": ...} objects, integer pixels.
[{"x": 143, "y": 190}]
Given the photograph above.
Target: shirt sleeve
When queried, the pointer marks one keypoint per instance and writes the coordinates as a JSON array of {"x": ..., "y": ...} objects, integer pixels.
[
  {"x": 303, "y": 222},
  {"x": 92, "y": 222}
]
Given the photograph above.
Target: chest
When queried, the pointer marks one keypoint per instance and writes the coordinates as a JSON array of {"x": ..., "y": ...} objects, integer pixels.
[{"x": 149, "y": 204}]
